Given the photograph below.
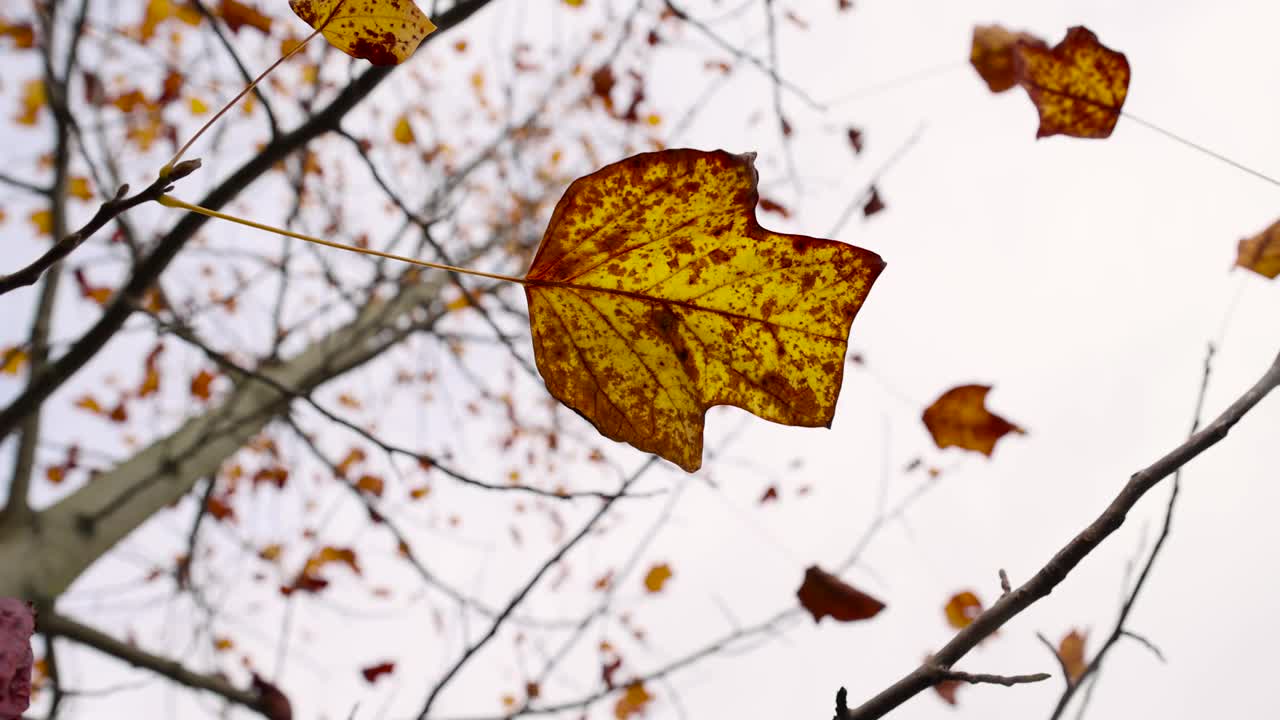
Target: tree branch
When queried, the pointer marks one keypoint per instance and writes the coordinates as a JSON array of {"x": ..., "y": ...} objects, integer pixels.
[
  {"x": 106, "y": 213},
  {"x": 150, "y": 268},
  {"x": 1096, "y": 663},
  {"x": 1058, "y": 567},
  {"x": 62, "y": 626}
]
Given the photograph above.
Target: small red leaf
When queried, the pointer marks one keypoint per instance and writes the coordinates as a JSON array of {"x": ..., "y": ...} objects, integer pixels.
[{"x": 824, "y": 594}]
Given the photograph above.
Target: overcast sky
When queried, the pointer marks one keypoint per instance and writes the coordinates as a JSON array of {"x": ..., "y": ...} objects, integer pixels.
[{"x": 1083, "y": 279}]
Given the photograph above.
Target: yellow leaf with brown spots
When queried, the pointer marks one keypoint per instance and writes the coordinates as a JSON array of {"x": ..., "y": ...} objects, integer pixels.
[
  {"x": 384, "y": 32},
  {"x": 1261, "y": 253},
  {"x": 1078, "y": 87},
  {"x": 959, "y": 418},
  {"x": 656, "y": 294}
]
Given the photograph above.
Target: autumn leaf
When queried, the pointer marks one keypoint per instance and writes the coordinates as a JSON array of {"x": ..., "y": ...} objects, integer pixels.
[
  {"x": 373, "y": 672},
  {"x": 824, "y": 594},
  {"x": 947, "y": 691},
  {"x": 1071, "y": 653},
  {"x": 33, "y": 101},
  {"x": 403, "y": 131},
  {"x": 874, "y": 203},
  {"x": 42, "y": 220},
  {"x": 992, "y": 55},
  {"x": 158, "y": 11},
  {"x": 1078, "y": 87},
  {"x": 237, "y": 15},
  {"x": 632, "y": 701},
  {"x": 657, "y": 577},
  {"x": 1261, "y": 253},
  {"x": 959, "y": 418},
  {"x": 655, "y": 295},
  {"x": 12, "y": 360},
  {"x": 384, "y": 32},
  {"x": 770, "y": 495},
  {"x": 78, "y": 187},
  {"x": 201, "y": 384},
  {"x": 371, "y": 485},
  {"x": 309, "y": 578},
  {"x": 23, "y": 35},
  {"x": 962, "y": 608}
]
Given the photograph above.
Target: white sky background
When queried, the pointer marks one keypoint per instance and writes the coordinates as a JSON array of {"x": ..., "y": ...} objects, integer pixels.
[{"x": 1081, "y": 278}]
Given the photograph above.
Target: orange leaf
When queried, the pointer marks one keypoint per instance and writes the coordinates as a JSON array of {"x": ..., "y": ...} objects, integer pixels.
[
  {"x": 1071, "y": 653},
  {"x": 88, "y": 402},
  {"x": 384, "y": 32},
  {"x": 657, "y": 577},
  {"x": 43, "y": 221},
  {"x": 200, "y": 384},
  {"x": 992, "y": 55},
  {"x": 824, "y": 594},
  {"x": 1261, "y": 253},
  {"x": 371, "y": 484},
  {"x": 1079, "y": 86},
  {"x": 22, "y": 34},
  {"x": 78, "y": 188},
  {"x": 655, "y": 295},
  {"x": 33, "y": 100},
  {"x": 12, "y": 360},
  {"x": 959, "y": 418},
  {"x": 962, "y": 608},
  {"x": 159, "y": 11},
  {"x": 632, "y": 701},
  {"x": 237, "y": 15},
  {"x": 222, "y": 644}
]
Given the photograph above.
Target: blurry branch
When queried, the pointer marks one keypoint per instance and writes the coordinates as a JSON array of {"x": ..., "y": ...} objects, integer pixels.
[
  {"x": 1119, "y": 630},
  {"x": 65, "y": 539},
  {"x": 107, "y": 212},
  {"x": 17, "y": 507},
  {"x": 23, "y": 184},
  {"x": 402, "y": 540},
  {"x": 171, "y": 243},
  {"x": 1058, "y": 567},
  {"x": 860, "y": 199},
  {"x": 243, "y": 374},
  {"x": 64, "y": 627},
  {"x": 728, "y": 642},
  {"x": 524, "y": 591},
  {"x": 235, "y": 59},
  {"x": 740, "y": 54}
]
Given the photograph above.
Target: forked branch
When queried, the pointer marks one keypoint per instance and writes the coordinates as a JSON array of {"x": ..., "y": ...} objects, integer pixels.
[{"x": 1061, "y": 564}]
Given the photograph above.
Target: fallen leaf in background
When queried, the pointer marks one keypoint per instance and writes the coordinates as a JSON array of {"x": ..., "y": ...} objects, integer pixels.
[
  {"x": 962, "y": 608},
  {"x": 959, "y": 418},
  {"x": 824, "y": 594},
  {"x": 1261, "y": 253}
]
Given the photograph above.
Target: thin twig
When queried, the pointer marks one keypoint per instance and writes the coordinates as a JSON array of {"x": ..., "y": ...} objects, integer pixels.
[
  {"x": 1118, "y": 631},
  {"x": 61, "y": 626},
  {"x": 1062, "y": 563},
  {"x": 106, "y": 213}
]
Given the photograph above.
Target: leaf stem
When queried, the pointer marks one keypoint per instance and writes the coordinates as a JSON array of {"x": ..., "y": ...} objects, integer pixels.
[
  {"x": 1200, "y": 148},
  {"x": 181, "y": 151},
  {"x": 173, "y": 202}
]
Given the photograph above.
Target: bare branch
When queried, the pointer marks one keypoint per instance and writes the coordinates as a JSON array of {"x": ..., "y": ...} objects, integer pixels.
[
  {"x": 58, "y": 625},
  {"x": 106, "y": 213},
  {"x": 1061, "y": 564}
]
